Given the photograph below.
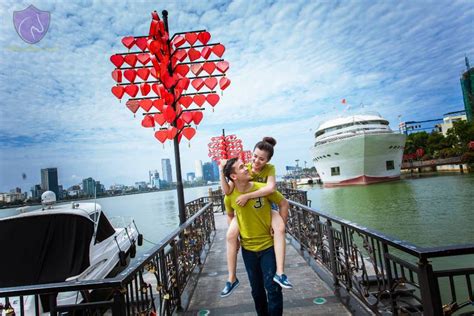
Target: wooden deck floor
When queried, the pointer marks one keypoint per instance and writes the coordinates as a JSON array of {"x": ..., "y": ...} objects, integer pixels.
[{"x": 308, "y": 287}]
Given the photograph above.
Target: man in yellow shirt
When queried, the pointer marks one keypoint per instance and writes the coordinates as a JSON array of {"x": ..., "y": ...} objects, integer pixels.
[{"x": 254, "y": 220}]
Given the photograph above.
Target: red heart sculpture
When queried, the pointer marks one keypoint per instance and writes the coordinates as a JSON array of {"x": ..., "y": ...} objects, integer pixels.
[
  {"x": 191, "y": 38},
  {"x": 128, "y": 41},
  {"x": 146, "y": 104},
  {"x": 212, "y": 99},
  {"x": 172, "y": 131},
  {"x": 161, "y": 135},
  {"x": 131, "y": 59},
  {"x": 196, "y": 69},
  {"x": 169, "y": 114},
  {"x": 154, "y": 73},
  {"x": 181, "y": 55},
  {"x": 148, "y": 121},
  {"x": 143, "y": 58},
  {"x": 199, "y": 99},
  {"x": 141, "y": 43},
  {"x": 204, "y": 37},
  {"x": 159, "y": 118},
  {"x": 118, "y": 91},
  {"x": 222, "y": 66},
  {"x": 209, "y": 67},
  {"x": 132, "y": 105},
  {"x": 159, "y": 104},
  {"x": 188, "y": 132},
  {"x": 145, "y": 89},
  {"x": 197, "y": 117},
  {"x": 193, "y": 54},
  {"x": 186, "y": 101},
  {"x": 117, "y": 60},
  {"x": 131, "y": 90},
  {"x": 117, "y": 75},
  {"x": 206, "y": 52},
  {"x": 143, "y": 73},
  {"x": 187, "y": 117},
  {"x": 197, "y": 83},
  {"x": 210, "y": 82},
  {"x": 179, "y": 40},
  {"x": 224, "y": 83},
  {"x": 218, "y": 50},
  {"x": 182, "y": 70},
  {"x": 130, "y": 75},
  {"x": 179, "y": 124}
]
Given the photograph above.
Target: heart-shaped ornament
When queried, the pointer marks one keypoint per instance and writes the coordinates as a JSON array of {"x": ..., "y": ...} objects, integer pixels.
[
  {"x": 224, "y": 83},
  {"x": 143, "y": 58},
  {"x": 193, "y": 54},
  {"x": 141, "y": 43},
  {"x": 132, "y": 90},
  {"x": 222, "y": 66},
  {"x": 172, "y": 131},
  {"x": 206, "y": 52},
  {"x": 148, "y": 121},
  {"x": 197, "y": 83},
  {"x": 159, "y": 118},
  {"x": 197, "y": 117},
  {"x": 179, "y": 124},
  {"x": 187, "y": 117},
  {"x": 212, "y": 99},
  {"x": 131, "y": 59},
  {"x": 117, "y": 75},
  {"x": 188, "y": 132},
  {"x": 186, "y": 101},
  {"x": 154, "y": 73},
  {"x": 145, "y": 88},
  {"x": 159, "y": 104},
  {"x": 143, "y": 73},
  {"x": 132, "y": 105},
  {"x": 179, "y": 40},
  {"x": 199, "y": 99},
  {"x": 181, "y": 54},
  {"x": 182, "y": 70},
  {"x": 146, "y": 104},
  {"x": 218, "y": 50},
  {"x": 191, "y": 38},
  {"x": 118, "y": 91},
  {"x": 209, "y": 67},
  {"x": 130, "y": 75},
  {"x": 183, "y": 83},
  {"x": 196, "y": 69},
  {"x": 117, "y": 60},
  {"x": 161, "y": 135},
  {"x": 154, "y": 46},
  {"x": 128, "y": 41},
  {"x": 169, "y": 114},
  {"x": 204, "y": 37},
  {"x": 210, "y": 82}
]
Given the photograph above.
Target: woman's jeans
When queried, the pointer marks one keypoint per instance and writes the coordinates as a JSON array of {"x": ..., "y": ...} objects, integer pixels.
[{"x": 261, "y": 267}]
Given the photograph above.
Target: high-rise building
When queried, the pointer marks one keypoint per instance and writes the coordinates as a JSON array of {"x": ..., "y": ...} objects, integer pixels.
[
  {"x": 198, "y": 169},
  {"x": 154, "y": 179},
  {"x": 210, "y": 171},
  {"x": 49, "y": 180},
  {"x": 36, "y": 191},
  {"x": 467, "y": 85},
  {"x": 190, "y": 176},
  {"x": 89, "y": 187},
  {"x": 215, "y": 169},
  {"x": 166, "y": 170}
]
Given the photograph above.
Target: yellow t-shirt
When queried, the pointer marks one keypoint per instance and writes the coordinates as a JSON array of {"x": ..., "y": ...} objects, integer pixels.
[
  {"x": 254, "y": 219},
  {"x": 262, "y": 176}
]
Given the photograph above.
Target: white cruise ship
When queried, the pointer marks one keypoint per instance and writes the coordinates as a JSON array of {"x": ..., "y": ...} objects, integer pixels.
[{"x": 357, "y": 149}]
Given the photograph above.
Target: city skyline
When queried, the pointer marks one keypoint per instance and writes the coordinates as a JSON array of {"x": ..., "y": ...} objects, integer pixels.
[{"x": 291, "y": 64}]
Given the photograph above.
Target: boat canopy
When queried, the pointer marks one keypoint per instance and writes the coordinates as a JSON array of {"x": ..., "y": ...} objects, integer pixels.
[{"x": 45, "y": 248}]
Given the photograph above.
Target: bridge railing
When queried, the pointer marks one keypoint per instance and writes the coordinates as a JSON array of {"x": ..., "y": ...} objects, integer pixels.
[{"x": 168, "y": 266}]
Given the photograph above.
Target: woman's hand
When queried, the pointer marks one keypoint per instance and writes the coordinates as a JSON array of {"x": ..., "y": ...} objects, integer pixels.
[{"x": 242, "y": 200}]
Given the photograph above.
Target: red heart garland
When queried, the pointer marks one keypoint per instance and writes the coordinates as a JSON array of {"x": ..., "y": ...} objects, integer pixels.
[
  {"x": 181, "y": 55},
  {"x": 197, "y": 83},
  {"x": 222, "y": 66},
  {"x": 154, "y": 73},
  {"x": 158, "y": 89},
  {"x": 148, "y": 121},
  {"x": 179, "y": 40},
  {"x": 183, "y": 83},
  {"x": 218, "y": 50},
  {"x": 118, "y": 91},
  {"x": 117, "y": 75},
  {"x": 204, "y": 37},
  {"x": 131, "y": 59},
  {"x": 189, "y": 132},
  {"x": 206, "y": 52},
  {"x": 141, "y": 43},
  {"x": 130, "y": 75},
  {"x": 186, "y": 101},
  {"x": 196, "y": 69},
  {"x": 191, "y": 38},
  {"x": 146, "y": 104},
  {"x": 199, "y": 99},
  {"x": 193, "y": 54},
  {"x": 143, "y": 73},
  {"x": 212, "y": 99},
  {"x": 172, "y": 131},
  {"x": 187, "y": 117},
  {"x": 132, "y": 105},
  {"x": 159, "y": 104},
  {"x": 128, "y": 41},
  {"x": 143, "y": 58},
  {"x": 224, "y": 83},
  {"x": 117, "y": 60},
  {"x": 179, "y": 124},
  {"x": 145, "y": 89},
  {"x": 161, "y": 135},
  {"x": 209, "y": 67},
  {"x": 169, "y": 114},
  {"x": 210, "y": 82},
  {"x": 154, "y": 46},
  {"x": 182, "y": 70},
  {"x": 159, "y": 118},
  {"x": 197, "y": 117},
  {"x": 131, "y": 90}
]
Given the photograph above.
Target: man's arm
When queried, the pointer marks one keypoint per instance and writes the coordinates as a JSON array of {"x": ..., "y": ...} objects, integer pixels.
[{"x": 268, "y": 189}]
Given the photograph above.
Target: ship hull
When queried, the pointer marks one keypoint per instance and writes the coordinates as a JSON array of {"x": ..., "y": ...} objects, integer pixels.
[{"x": 361, "y": 159}]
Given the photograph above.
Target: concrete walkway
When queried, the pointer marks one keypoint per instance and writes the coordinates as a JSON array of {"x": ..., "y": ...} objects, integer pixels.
[{"x": 308, "y": 287}]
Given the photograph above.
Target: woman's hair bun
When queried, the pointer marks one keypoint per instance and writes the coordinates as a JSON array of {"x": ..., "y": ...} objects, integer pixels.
[{"x": 272, "y": 141}]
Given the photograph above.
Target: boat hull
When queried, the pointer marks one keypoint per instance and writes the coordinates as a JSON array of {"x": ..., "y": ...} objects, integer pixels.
[{"x": 360, "y": 159}]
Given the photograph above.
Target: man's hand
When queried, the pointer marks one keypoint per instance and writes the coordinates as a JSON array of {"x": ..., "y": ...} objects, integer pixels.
[{"x": 242, "y": 200}]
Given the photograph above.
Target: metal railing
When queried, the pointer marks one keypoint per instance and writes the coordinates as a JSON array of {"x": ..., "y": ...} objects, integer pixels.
[
  {"x": 153, "y": 282},
  {"x": 387, "y": 275},
  {"x": 431, "y": 162}
]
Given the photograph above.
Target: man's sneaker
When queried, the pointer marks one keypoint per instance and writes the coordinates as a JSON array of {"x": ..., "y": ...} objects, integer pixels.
[
  {"x": 282, "y": 280},
  {"x": 229, "y": 288}
]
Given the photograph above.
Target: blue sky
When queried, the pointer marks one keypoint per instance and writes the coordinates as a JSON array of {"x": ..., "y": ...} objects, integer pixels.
[{"x": 291, "y": 63}]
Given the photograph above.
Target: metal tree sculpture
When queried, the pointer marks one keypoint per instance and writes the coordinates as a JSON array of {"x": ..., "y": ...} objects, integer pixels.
[
  {"x": 165, "y": 70},
  {"x": 226, "y": 147}
]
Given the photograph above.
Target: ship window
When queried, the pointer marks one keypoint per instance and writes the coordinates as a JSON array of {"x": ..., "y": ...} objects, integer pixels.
[
  {"x": 390, "y": 147},
  {"x": 329, "y": 155},
  {"x": 390, "y": 164},
  {"x": 335, "y": 171},
  {"x": 336, "y": 154}
]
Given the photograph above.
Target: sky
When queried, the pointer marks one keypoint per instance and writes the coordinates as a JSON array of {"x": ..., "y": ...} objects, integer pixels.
[{"x": 291, "y": 64}]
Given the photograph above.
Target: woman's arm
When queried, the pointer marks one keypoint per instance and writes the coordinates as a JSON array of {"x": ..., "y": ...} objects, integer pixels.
[
  {"x": 268, "y": 189},
  {"x": 227, "y": 187}
]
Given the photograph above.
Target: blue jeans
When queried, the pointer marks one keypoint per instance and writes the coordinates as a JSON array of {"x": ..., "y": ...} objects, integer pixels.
[{"x": 261, "y": 267}]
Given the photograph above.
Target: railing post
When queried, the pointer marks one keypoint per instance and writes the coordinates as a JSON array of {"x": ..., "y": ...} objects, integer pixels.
[
  {"x": 177, "y": 285},
  {"x": 118, "y": 308},
  {"x": 332, "y": 254},
  {"x": 388, "y": 271},
  {"x": 429, "y": 288}
]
